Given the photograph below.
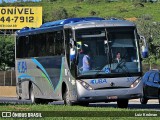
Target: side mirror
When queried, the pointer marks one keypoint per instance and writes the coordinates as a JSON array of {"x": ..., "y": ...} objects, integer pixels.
[
  {"x": 144, "y": 52},
  {"x": 144, "y": 47}
]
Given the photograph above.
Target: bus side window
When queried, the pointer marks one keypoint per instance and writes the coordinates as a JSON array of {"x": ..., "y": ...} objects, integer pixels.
[
  {"x": 22, "y": 47},
  {"x": 30, "y": 42},
  {"x": 44, "y": 44},
  {"x": 50, "y": 44},
  {"x": 19, "y": 47},
  {"x": 59, "y": 43}
]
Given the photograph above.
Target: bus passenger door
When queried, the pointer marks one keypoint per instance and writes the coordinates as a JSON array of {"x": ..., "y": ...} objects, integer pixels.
[
  {"x": 70, "y": 51},
  {"x": 70, "y": 66}
]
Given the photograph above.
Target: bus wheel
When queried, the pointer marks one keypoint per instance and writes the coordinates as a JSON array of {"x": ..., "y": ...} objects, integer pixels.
[
  {"x": 32, "y": 96},
  {"x": 66, "y": 99},
  {"x": 122, "y": 103}
]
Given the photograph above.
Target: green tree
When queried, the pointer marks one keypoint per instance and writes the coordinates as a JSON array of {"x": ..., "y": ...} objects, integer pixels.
[
  {"x": 151, "y": 30},
  {"x": 6, "y": 52},
  {"x": 3, "y": 1},
  {"x": 60, "y": 13}
]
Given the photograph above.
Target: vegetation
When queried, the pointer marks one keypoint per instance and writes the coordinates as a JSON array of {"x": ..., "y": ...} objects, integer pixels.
[
  {"x": 151, "y": 31},
  {"x": 102, "y": 8},
  {"x": 6, "y": 52},
  {"x": 80, "y": 113},
  {"x": 145, "y": 14}
]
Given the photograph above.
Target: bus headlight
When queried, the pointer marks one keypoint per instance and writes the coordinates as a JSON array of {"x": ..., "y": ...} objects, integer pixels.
[
  {"x": 135, "y": 83},
  {"x": 85, "y": 85}
]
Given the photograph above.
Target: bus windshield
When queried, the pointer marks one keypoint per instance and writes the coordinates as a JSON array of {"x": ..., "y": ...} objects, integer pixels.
[{"x": 103, "y": 51}]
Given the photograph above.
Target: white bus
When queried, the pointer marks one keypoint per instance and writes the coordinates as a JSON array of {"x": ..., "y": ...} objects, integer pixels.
[{"x": 52, "y": 62}]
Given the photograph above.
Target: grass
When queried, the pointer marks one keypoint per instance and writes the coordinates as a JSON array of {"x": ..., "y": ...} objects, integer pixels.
[{"x": 79, "y": 111}]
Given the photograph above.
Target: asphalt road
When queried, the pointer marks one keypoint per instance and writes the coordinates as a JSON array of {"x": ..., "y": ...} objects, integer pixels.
[{"x": 133, "y": 104}]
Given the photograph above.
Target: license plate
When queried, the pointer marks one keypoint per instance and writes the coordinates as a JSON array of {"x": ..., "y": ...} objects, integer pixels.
[{"x": 112, "y": 97}]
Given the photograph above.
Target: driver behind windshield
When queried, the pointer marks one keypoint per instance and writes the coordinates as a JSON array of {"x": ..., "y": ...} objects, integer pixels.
[{"x": 118, "y": 58}]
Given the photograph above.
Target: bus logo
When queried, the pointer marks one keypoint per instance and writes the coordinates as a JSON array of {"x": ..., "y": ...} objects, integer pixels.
[
  {"x": 22, "y": 67},
  {"x": 98, "y": 81}
]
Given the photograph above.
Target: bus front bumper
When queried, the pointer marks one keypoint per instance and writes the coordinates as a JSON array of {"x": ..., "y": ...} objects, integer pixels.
[{"x": 107, "y": 95}]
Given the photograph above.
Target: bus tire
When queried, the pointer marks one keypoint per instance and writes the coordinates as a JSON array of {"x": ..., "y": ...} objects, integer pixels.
[
  {"x": 66, "y": 99},
  {"x": 32, "y": 96},
  {"x": 122, "y": 103}
]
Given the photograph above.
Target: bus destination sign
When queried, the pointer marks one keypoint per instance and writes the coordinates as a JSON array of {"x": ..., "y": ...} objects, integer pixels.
[{"x": 19, "y": 17}]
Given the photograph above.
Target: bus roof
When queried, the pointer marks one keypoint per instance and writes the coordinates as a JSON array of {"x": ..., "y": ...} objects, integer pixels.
[
  {"x": 100, "y": 23},
  {"x": 75, "y": 23},
  {"x": 69, "y": 21}
]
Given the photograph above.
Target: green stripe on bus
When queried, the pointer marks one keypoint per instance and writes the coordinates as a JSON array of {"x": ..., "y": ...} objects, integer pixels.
[
  {"x": 47, "y": 80},
  {"x": 61, "y": 74}
]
